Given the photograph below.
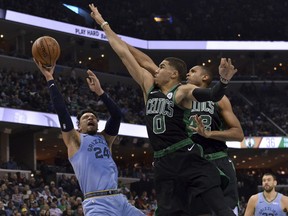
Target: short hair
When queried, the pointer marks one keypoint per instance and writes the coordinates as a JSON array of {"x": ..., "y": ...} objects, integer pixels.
[
  {"x": 179, "y": 65},
  {"x": 207, "y": 71},
  {"x": 82, "y": 112},
  {"x": 270, "y": 174}
]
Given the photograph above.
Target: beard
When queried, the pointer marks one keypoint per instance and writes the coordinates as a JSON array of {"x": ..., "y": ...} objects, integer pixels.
[{"x": 268, "y": 189}]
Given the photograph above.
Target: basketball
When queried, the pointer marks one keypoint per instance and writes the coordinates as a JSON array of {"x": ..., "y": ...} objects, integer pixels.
[{"x": 46, "y": 50}]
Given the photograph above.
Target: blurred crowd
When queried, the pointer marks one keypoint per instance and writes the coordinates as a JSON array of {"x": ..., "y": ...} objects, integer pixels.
[
  {"x": 177, "y": 20},
  {"x": 57, "y": 195},
  {"x": 36, "y": 196},
  {"x": 26, "y": 90},
  {"x": 254, "y": 104}
]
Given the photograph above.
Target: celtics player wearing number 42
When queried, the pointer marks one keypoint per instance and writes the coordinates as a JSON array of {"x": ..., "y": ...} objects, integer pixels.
[
  {"x": 269, "y": 202},
  {"x": 179, "y": 169},
  {"x": 212, "y": 124}
]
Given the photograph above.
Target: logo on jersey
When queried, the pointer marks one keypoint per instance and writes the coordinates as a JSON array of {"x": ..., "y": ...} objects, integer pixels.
[
  {"x": 95, "y": 141},
  {"x": 153, "y": 92},
  {"x": 190, "y": 149},
  {"x": 161, "y": 106},
  {"x": 267, "y": 210},
  {"x": 207, "y": 106},
  {"x": 169, "y": 95},
  {"x": 99, "y": 151}
]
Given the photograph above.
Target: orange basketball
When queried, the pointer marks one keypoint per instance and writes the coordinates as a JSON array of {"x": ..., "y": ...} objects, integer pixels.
[{"x": 46, "y": 50}]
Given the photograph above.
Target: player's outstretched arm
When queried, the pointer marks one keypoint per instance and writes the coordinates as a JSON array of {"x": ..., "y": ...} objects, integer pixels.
[
  {"x": 139, "y": 74},
  {"x": 113, "y": 123},
  {"x": 226, "y": 70},
  {"x": 216, "y": 93},
  {"x": 70, "y": 136},
  {"x": 143, "y": 59}
]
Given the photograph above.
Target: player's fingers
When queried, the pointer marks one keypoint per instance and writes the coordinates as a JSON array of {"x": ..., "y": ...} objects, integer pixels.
[
  {"x": 229, "y": 61},
  {"x": 198, "y": 119},
  {"x": 88, "y": 80},
  {"x": 193, "y": 128}
]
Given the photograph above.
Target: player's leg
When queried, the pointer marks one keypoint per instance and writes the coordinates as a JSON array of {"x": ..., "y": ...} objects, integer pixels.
[
  {"x": 171, "y": 191},
  {"x": 198, "y": 208},
  {"x": 231, "y": 191},
  {"x": 214, "y": 199}
]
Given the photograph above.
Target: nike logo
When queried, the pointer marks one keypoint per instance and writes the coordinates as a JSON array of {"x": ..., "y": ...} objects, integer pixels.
[
  {"x": 153, "y": 92},
  {"x": 189, "y": 149},
  {"x": 51, "y": 85}
]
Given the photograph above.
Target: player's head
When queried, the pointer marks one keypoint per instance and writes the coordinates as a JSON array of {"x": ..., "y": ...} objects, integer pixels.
[
  {"x": 200, "y": 76},
  {"x": 269, "y": 182},
  {"x": 87, "y": 121},
  {"x": 170, "y": 68}
]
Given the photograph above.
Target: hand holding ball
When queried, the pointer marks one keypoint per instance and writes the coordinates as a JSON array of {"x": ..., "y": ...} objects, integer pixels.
[{"x": 46, "y": 50}]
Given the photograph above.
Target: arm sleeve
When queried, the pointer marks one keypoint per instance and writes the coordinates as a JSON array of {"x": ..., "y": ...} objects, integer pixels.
[
  {"x": 113, "y": 123},
  {"x": 210, "y": 94},
  {"x": 66, "y": 123}
]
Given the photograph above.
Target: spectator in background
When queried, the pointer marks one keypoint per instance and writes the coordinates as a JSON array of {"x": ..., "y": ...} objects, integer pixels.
[
  {"x": 17, "y": 197},
  {"x": 67, "y": 212},
  {"x": 79, "y": 211},
  {"x": 11, "y": 164},
  {"x": 268, "y": 202},
  {"x": 54, "y": 210},
  {"x": 34, "y": 210},
  {"x": 2, "y": 209},
  {"x": 46, "y": 192},
  {"x": 9, "y": 208}
]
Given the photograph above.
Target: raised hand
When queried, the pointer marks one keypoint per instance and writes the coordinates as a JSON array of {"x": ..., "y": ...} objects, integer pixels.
[
  {"x": 226, "y": 69},
  {"x": 200, "y": 128},
  {"x": 47, "y": 72},
  {"x": 94, "y": 83},
  {"x": 96, "y": 15}
]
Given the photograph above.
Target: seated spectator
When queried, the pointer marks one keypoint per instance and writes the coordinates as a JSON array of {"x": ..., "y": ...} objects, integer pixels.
[
  {"x": 11, "y": 164},
  {"x": 2, "y": 209},
  {"x": 34, "y": 210},
  {"x": 68, "y": 211},
  {"x": 54, "y": 210},
  {"x": 79, "y": 211},
  {"x": 17, "y": 197}
]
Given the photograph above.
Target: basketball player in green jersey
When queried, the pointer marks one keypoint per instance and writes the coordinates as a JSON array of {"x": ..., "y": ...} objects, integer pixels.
[{"x": 179, "y": 170}]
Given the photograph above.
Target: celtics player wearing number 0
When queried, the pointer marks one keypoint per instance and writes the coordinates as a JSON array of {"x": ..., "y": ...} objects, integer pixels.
[
  {"x": 213, "y": 123},
  {"x": 179, "y": 170},
  {"x": 89, "y": 151},
  {"x": 269, "y": 202}
]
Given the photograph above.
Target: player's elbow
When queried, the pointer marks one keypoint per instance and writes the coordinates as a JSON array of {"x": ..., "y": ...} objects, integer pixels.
[
  {"x": 240, "y": 136},
  {"x": 201, "y": 95},
  {"x": 216, "y": 97}
]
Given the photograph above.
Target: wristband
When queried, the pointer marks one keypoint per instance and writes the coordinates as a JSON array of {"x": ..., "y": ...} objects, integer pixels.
[
  {"x": 103, "y": 24},
  {"x": 210, "y": 94},
  {"x": 113, "y": 123},
  {"x": 50, "y": 83},
  {"x": 223, "y": 80},
  {"x": 103, "y": 96}
]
